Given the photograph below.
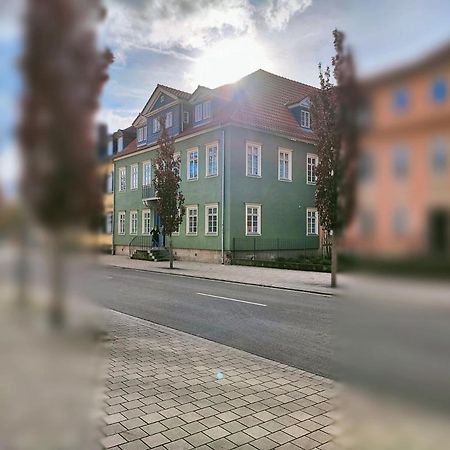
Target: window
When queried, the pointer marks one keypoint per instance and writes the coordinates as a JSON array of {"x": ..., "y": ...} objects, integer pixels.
[
  {"x": 169, "y": 119},
  {"x": 156, "y": 125},
  {"x": 311, "y": 168},
  {"x": 133, "y": 222},
  {"x": 211, "y": 219},
  {"x": 122, "y": 179},
  {"x": 366, "y": 223},
  {"x": 146, "y": 173},
  {"x": 207, "y": 110},
  {"x": 252, "y": 219},
  {"x": 198, "y": 112},
  {"x": 400, "y": 99},
  {"x": 120, "y": 144},
  {"x": 400, "y": 222},
  {"x": 400, "y": 162},
  {"x": 305, "y": 119},
  {"x": 312, "y": 222},
  {"x": 142, "y": 134},
  {"x": 121, "y": 222},
  {"x": 109, "y": 223},
  {"x": 253, "y": 160},
  {"x": 192, "y": 160},
  {"x": 109, "y": 182},
  {"x": 439, "y": 155},
  {"x": 110, "y": 147},
  {"x": 202, "y": 111},
  {"x": 212, "y": 156},
  {"x": 439, "y": 90},
  {"x": 134, "y": 177},
  {"x": 185, "y": 116},
  {"x": 192, "y": 220},
  {"x": 146, "y": 221},
  {"x": 284, "y": 164},
  {"x": 365, "y": 166}
]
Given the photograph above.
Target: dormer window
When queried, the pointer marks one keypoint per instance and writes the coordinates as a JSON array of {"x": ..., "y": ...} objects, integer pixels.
[
  {"x": 120, "y": 144},
  {"x": 142, "y": 134},
  {"x": 156, "y": 125},
  {"x": 203, "y": 111},
  {"x": 305, "y": 119},
  {"x": 169, "y": 119}
]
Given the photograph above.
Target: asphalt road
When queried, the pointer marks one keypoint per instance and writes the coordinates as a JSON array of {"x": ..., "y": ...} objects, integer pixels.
[{"x": 289, "y": 327}]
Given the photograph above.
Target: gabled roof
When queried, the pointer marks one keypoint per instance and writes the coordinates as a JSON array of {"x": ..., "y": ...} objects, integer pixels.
[
  {"x": 259, "y": 100},
  {"x": 175, "y": 94}
]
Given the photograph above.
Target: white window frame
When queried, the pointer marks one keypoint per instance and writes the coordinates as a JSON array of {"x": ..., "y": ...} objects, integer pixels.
[
  {"x": 308, "y": 156},
  {"x": 305, "y": 119},
  {"x": 144, "y": 212},
  {"x": 169, "y": 115},
  {"x": 207, "y": 112},
  {"x": 188, "y": 156},
  {"x": 289, "y": 161},
  {"x": 198, "y": 112},
  {"x": 134, "y": 176},
  {"x": 316, "y": 227},
  {"x": 257, "y": 145},
  {"x": 121, "y": 223},
  {"x": 109, "y": 223},
  {"x": 185, "y": 116},
  {"x": 208, "y": 147},
  {"x": 122, "y": 174},
  {"x": 120, "y": 144},
  {"x": 156, "y": 125},
  {"x": 191, "y": 208},
  {"x": 207, "y": 207},
  {"x": 142, "y": 134},
  {"x": 258, "y": 208},
  {"x": 134, "y": 222},
  {"x": 144, "y": 165}
]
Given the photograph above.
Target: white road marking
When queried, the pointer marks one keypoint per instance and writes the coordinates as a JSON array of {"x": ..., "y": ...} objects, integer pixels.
[{"x": 231, "y": 299}]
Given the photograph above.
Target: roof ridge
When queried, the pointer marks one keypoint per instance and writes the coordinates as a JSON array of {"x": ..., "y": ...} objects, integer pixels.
[
  {"x": 278, "y": 76},
  {"x": 172, "y": 88}
]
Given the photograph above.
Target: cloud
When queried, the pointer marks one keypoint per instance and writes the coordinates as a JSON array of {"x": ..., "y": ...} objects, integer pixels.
[
  {"x": 116, "y": 118},
  {"x": 179, "y": 27},
  {"x": 278, "y": 13}
]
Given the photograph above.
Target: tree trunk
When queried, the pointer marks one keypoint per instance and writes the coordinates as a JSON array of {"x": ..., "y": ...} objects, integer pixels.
[
  {"x": 56, "y": 311},
  {"x": 333, "y": 261},
  {"x": 170, "y": 252},
  {"x": 23, "y": 265}
]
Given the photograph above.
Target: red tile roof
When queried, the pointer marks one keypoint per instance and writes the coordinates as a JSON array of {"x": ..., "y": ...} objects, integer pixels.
[
  {"x": 259, "y": 100},
  {"x": 130, "y": 148},
  {"x": 180, "y": 94}
]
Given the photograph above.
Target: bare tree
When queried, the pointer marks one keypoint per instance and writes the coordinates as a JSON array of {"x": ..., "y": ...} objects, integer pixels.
[
  {"x": 170, "y": 204},
  {"x": 64, "y": 72},
  {"x": 334, "y": 111}
]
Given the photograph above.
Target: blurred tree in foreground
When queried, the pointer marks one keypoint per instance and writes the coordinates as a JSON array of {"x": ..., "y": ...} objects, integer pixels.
[
  {"x": 63, "y": 72},
  {"x": 167, "y": 186},
  {"x": 334, "y": 111}
]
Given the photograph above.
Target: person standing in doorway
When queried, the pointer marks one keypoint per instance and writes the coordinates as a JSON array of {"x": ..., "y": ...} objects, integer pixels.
[{"x": 155, "y": 236}]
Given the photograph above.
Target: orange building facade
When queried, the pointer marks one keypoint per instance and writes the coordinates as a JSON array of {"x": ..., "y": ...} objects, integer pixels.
[{"x": 403, "y": 197}]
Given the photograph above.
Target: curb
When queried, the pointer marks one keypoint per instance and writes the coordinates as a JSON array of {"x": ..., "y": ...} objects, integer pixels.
[{"x": 306, "y": 291}]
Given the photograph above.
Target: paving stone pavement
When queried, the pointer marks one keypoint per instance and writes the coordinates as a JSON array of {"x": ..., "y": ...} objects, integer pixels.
[{"x": 162, "y": 392}]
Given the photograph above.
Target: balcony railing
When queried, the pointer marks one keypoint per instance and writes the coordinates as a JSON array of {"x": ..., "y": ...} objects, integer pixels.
[{"x": 148, "y": 193}]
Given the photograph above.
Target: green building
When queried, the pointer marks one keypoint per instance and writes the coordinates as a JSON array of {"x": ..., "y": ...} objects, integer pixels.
[{"x": 248, "y": 171}]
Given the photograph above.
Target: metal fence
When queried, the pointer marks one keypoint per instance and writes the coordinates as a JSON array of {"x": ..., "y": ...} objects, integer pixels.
[{"x": 256, "y": 248}]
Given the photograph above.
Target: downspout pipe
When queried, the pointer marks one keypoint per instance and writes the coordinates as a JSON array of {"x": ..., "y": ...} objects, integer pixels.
[{"x": 222, "y": 203}]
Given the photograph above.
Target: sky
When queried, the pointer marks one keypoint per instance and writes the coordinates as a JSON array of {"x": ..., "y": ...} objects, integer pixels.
[{"x": 184, "y": 43}]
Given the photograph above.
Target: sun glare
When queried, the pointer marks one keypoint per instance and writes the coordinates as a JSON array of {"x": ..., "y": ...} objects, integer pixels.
[{"x": 229, "y": 60}]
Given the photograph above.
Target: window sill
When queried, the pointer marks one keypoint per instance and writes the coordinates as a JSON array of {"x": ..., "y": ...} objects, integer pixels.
[
  {"x": 212, "y": 176},
  {"x": 309, "y": 234},
  {"x": 254, "y": 176},
  {"x": 285, "y": 180},
  {"x": 192, "y": 179},
  {"x": 212, "y": 234},
  {"x": 134, "y": 189},
  {"x": 191, "y": 234},
  {"x": 253, "y": 234},
  {"x": 311, "y": 183}
]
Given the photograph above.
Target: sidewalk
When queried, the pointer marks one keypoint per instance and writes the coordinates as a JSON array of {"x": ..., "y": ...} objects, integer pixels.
[
  {"x": 261, "y": 276},
  {"x": 162, "y": 392}
]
